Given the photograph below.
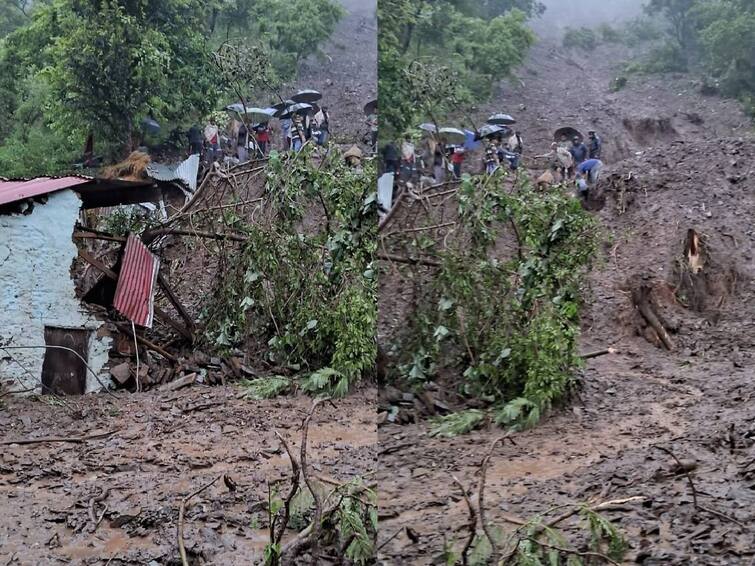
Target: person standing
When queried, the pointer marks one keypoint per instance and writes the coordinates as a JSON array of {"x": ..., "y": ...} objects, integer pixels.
[
  {"x": 242, "y": 144},
  {"x": 296, "y": 132},
  {"x": 578, "y": 151},
  {"x": 408, "y": 159},
  {"x": 322, "y": 124},
  {"x": 212, "y": 137},
  {"x": 391, "y": 158},
  {"x": 372, "y": 122},
  {"x": 439, "y": 164},
  {"x": 286, "y": 130},
  {"x": 515, "y": 143},
  {"x": 457, "y": 159},
  {"x": 594, "y": 145},
  {"x": 196, "y": 142},
  {"x": 262, "y": 133}
]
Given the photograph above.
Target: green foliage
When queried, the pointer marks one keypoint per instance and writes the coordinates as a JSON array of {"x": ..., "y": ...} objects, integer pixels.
[
  {"x": 265, "y": 387},
  {"x": 288, "y": 29},
  {"x": 457, "y": 423},
  {"x": 126, "y": 220},
  {"x": 603, "y": 532},
  {"x": 311, "y": 297},
  {"x": 580, "y": 38},
  {"x": 509, "y": 326},
  {"x": 609, "y": 34},
  {"x": 537, "y": 544},
  {"x": 436, "y": 56},
  {"x": 712, "y": 36}
]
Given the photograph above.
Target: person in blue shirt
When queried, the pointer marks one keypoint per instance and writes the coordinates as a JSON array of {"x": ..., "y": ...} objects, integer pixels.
[
  {"x": 594, "y": 145},
  {"x": 578, "y": 151},
  {"x": 588, "y": 173}
]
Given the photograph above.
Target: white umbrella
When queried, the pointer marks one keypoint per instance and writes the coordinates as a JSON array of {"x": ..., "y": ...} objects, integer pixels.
[
  {"x": 501, "y": 119},
  {"x": 257, "y": 115},
  {"x": 452, "y": 135}
]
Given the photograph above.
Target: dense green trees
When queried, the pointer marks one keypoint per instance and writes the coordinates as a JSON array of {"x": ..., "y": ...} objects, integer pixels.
[
  {"x": 70, "y": 67},
  {"x": 459, "y": 49},
  {"x": 716, "y": 36}
]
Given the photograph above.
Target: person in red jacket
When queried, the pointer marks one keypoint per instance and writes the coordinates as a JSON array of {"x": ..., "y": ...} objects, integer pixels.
[{"x": 457, "y": 159}]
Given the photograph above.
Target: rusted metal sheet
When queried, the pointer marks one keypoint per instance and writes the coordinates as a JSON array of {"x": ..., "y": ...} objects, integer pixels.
[
  {"x": 135, "y": 293},
  {"x": 12, "y": 191}
]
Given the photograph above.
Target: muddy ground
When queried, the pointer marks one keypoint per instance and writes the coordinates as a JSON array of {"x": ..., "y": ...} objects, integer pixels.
[
  {"x": 162, "y": 446},
  {"x": 691, "y": 164}
]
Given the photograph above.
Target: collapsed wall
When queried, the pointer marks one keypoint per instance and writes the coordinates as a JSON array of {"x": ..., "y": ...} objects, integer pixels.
[{"x": 38, "y": 303}]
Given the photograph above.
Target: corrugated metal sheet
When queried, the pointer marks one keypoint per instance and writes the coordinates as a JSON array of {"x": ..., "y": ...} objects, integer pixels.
[
  {"x": 12, "y": 191},
  {"x": 134, "y": 294},
  {"x": 185, "y": 172}
]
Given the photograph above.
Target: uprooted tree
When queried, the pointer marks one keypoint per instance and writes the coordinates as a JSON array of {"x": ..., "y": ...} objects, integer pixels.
[
  {"x": 297, "y": 278},
  {"x": 491, "y": 280}
]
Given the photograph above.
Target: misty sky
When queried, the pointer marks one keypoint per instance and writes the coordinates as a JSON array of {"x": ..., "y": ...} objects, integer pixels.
[{"x": 576, "y": 13}]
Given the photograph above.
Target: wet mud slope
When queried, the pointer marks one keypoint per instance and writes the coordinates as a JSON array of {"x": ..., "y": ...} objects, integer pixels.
[
  {"x": 115, "y": 498},
  {"x": 345, "y": 71},
  {"x": 677, "y": 204}
]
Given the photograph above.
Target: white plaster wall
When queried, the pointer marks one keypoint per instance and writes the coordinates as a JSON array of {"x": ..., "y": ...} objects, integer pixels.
[{"x": 36, "y": 290}]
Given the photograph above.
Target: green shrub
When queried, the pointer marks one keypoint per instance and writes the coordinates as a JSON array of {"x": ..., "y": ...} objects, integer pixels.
[
  {"x": 509, "y": 327},
  {"x": 580, "y": 38}
]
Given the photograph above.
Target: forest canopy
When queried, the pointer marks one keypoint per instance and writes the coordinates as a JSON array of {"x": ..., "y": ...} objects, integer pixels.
[
  {"x": 461, "y": 46},
  {"x": 71, "y": 67}
]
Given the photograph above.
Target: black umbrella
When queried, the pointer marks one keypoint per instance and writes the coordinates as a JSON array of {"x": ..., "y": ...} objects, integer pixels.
[
  {"x": 501, "y": 120},
  {"x": 371, "y": 107},
  {"x": 306, "y": 96},
  {"x": 300, "y": 108},
  {"x": 151, "y": 126},
  {"x": 280, "y": 108},
  {"x": 489, "y": 130},
  {"x": 567, "y": 132}
]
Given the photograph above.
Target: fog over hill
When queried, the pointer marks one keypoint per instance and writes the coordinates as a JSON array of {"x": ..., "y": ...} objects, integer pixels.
[{"x": 561, "y": 14}]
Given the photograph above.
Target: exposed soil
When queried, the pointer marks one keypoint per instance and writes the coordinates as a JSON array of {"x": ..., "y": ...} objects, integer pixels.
[
  {"x": 165, "y": 445},
  {"x": 691, "y": 163}
]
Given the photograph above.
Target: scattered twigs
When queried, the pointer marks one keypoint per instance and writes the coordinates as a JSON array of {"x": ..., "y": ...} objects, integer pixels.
[
  {"x": 481, "y": 495},
  {"x": 598, "y": 353},
  {"x": 309, "y": 536},
  {"x": 472, "y": 525},
  {"x": 586, "y": 554},
  {"x": 641, "y": 299},
  {"x": 683, "y": 469},
  {"x": 695, "y": 501},
  {"x": 92, "y": 502},
  {"x": 409, "y": 260},
  {"x": 194, "y": 233},
  {"x": 295, "y": 469},
  {"x": 389, "y": 539},
  {"x": 69, "y": 439},
  {"x": 181, "y": 513},
  {"x": 152, "y": 346}
]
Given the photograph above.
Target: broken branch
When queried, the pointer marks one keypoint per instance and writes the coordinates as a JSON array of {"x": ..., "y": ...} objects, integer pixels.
[{"x": 181, "y": 512}]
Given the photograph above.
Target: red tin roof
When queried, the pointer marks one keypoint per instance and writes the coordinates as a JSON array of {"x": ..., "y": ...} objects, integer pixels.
[
  {"x": 12, "y": 191},
  {"x": 134, "y": 294}
]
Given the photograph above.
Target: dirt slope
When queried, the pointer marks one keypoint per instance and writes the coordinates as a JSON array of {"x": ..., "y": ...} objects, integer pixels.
[
  {"x": 166, "y": 445},
  {"x": 695, "y": 400}
]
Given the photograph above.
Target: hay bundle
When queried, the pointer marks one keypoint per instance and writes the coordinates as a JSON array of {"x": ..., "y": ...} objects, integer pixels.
[{"x": 133, "y": 168}]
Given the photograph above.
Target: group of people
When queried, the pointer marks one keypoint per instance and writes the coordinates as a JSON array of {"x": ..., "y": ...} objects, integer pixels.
[
  {"x": 302, "y": 127},
  {"x": 572, "y": 159},
  {"x": 576, "y": 160},
  {"x": 245, "y": 141}
]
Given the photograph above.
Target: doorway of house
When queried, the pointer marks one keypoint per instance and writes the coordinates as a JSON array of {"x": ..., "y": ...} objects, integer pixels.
[{"x": 63, "y": 373}]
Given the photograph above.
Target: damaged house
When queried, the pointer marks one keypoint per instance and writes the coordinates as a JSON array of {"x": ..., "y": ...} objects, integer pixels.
[{"x": 52, "y": 340}]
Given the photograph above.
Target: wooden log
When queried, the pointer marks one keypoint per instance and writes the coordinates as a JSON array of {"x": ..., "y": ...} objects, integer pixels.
[{"x": 641, "y": 299}]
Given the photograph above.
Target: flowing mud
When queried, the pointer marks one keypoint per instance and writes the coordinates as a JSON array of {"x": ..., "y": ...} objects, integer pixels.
[
  {"x": 117, "y": 497},
  {"x": 679, "y": 168}
]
